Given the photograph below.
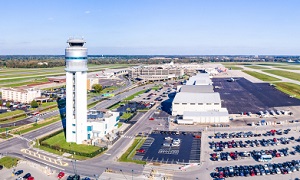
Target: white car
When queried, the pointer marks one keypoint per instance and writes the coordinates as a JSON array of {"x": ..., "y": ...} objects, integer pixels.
[
  {"x": 168, "y": 138},
  {"x": 177, "y": 140}
]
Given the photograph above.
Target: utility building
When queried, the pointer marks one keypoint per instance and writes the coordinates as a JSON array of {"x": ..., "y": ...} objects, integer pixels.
[{"x": 76, "y": 91}]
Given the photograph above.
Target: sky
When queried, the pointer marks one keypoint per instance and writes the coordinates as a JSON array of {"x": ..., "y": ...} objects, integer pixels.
[{"x": 151, "y": 27}]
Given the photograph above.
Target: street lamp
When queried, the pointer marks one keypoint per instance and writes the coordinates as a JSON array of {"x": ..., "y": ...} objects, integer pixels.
[
  {"x": 132, "y": 174},
  {"x": 123, "y": 174}
]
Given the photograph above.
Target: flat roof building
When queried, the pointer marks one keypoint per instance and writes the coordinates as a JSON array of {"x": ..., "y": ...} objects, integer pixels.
[
  {"x": 22, "y": 95},
  {"x": 196, "y": 89}
]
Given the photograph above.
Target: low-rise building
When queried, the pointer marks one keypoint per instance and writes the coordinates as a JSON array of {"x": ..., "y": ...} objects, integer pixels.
[
  {"x": 185, "y": 101},
  {"x": 22, "y": 95},
  {"x": 90, "y": 82},
  {"x": 101, "y": 123}
]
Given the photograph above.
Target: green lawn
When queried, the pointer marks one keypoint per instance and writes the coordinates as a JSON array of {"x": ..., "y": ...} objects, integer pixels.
[
  {"x": 233, "y": 67},
  {"x": 271, "y": 64},
  {"x": 289, "y": 88},
  {"x": 286, "y": 74},
  {"x": 39, "y": 124},
  {"x": 128, "y": 155},
  {"x": 257, "y": 67},
  {"x": 44, "y": 105},
  {"x": 9, "y": 162},
  {"x": 261, "y": 76},
  {"x": 135, "y": 94},
  {"x": 126, "y": 116},
  {"x": 156, "y": 87},
  {"x": 11, "y": 113},
  {"x": 119, "y": 124},
  {"x": 60, "y": 141},
  {"x": 289, "y": 67}
]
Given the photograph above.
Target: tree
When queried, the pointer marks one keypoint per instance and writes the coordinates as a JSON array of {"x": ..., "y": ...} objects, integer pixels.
[
  {"x": 97, "y": 88},
  {"x": 7, "y": 104},
  {"x": 34, "y": 104}
]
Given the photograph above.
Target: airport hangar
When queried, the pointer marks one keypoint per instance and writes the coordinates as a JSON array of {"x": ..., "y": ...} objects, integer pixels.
[{"x": 198, "y": 103}]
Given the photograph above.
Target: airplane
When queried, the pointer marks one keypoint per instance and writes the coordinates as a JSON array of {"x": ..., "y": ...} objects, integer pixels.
[{"x": 231, "y": 80}]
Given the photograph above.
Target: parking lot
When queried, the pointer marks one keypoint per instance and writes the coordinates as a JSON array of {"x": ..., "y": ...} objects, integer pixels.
[
  {"x": 245, "y": 96},
  {"x": 271, "y": 153},
  {"x": 171, "y": 147}
]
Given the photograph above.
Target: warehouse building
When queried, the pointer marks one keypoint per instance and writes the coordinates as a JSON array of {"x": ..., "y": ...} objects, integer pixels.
[
  {"x": 200, "y": 79},
  {"x": 185, "y": 101},
  {"x": 196, "y": 89},
  {"x": 196, "y": 102}
]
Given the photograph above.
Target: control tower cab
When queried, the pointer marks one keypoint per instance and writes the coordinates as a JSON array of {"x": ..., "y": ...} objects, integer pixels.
[{"x": 76, "y": 56}]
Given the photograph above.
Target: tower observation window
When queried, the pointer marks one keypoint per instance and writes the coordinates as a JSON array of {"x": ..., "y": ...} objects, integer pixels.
[{"x": 76, "y": 44}]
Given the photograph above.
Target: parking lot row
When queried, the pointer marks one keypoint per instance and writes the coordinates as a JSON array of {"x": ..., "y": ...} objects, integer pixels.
[
  {"x": 248, "y": 134},
  {"x": 255, "y": 154},
  {"x": 287, "y": 167},
  {"x": 221, "y": 145}
]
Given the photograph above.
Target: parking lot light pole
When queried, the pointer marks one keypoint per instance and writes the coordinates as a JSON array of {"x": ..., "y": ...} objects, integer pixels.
[{"x": 132, "y": 174}]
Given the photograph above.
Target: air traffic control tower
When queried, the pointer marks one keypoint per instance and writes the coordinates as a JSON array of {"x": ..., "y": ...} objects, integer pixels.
[{"x": 76, "y": 91}]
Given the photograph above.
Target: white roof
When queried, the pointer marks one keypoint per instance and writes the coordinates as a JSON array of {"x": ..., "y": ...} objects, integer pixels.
[
  {"x": 205, "y": 113},
  {"x": 197, "y": 88},
  {"x": 199, "y": 79},
  {"x": 185, "y": 97}
]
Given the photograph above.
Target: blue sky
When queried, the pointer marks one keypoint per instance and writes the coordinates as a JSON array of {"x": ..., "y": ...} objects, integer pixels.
[{"x": 166, "y": 27}]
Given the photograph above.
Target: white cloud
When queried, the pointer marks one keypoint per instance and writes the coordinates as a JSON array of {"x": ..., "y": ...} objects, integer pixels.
[
  {"x": 50, "y": 18},
  {"x": 87, "y": 12}
]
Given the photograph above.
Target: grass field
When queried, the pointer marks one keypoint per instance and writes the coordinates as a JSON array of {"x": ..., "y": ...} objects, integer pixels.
[
  {"x": 60, "y": 140},
  {"x": 272, "y": 64},
  {"x": 289, "y": 88},
  {"x": 9, "y": 162},
  {"x": 39, "y": 124},
  {"x": 289, "y": 67},
  {"x": 232, "y": 67},
  {"x": 11, "y": 113},
  {"x": 257, "y": 67},
  {"x": 14, "y": 77},
  {"x": 286, "y": 74},
  {"x": 135, "y": 94},
  {"x": 261, "y": 76},
  {"x": 126, "y": 116},
  {"x": 128, "y": 155}
]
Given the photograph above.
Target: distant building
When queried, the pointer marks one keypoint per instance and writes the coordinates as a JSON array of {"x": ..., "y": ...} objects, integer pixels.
[
  {"x": 154, "y": 73},
  {"x": 22, "y": 95},
  {"x": 90, "y": 82},
  {"x": 57, "y": 79},
  {"x": 101, "y": 123}
]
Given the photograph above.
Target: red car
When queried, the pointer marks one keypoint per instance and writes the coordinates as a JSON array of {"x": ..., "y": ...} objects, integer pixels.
[
  {"x": 60, "y": 175},
  {"x": 30, "y": 178},
  {"x": 141, "y": 150},
  {"x": 151, "y": 119}
]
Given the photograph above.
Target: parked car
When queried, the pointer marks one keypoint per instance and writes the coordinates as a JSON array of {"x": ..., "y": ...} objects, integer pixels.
[
  {"x": 60, "y": 175},
  {"x": 19, "y": 172}
]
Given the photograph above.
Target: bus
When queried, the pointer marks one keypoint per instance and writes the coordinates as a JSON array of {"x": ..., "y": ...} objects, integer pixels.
[
  {"x": 35, "y": 113},
  {"x": 265, "y": 158}
]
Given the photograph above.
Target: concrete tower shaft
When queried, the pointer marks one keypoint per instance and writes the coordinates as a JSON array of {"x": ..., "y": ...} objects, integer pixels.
[{"x": 76, "y": 91}]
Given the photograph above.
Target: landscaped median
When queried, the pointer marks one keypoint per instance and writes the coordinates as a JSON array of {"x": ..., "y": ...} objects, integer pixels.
[
  {"x": 261, "y": 76},
  {"x": 9, "y": 162},
  {"x": 128, "y": 155},
  {"x": 56, "y": 143},
  {"x": 33, "y": 126}
]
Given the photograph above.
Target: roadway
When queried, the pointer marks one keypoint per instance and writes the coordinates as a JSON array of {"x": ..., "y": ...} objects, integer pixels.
[{"x": 93, "y": 166}]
